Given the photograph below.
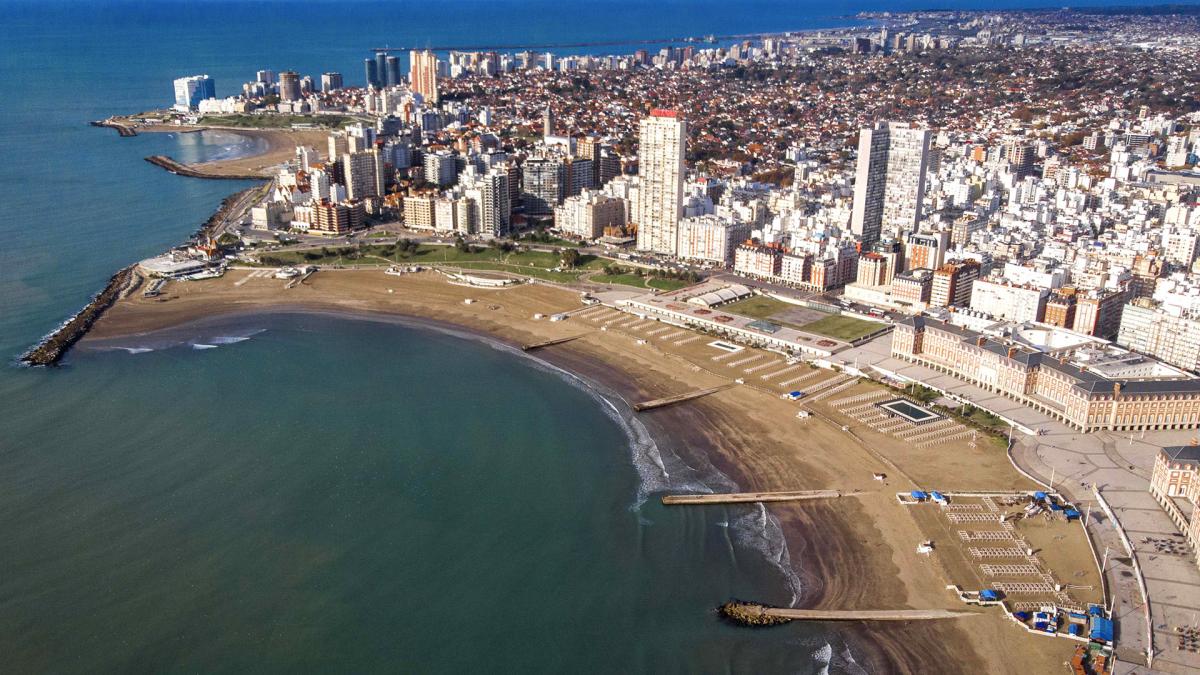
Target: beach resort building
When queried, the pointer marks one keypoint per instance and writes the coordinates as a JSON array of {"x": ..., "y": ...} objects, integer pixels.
[
  {"x": 1176, "y": 486},
  {"x": 1081, "y": 381}
]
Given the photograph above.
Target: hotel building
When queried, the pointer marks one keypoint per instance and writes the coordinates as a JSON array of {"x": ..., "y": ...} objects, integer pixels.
[
  {"x": 1088, "y": 389},
  {"x": 1176, "y": 487}
]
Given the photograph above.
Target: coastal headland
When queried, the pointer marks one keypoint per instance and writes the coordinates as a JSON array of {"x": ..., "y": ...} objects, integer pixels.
[{"x": 850, "y": 554}]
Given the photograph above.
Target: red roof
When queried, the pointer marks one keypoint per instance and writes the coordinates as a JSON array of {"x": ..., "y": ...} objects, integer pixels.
[{"x": 663, "y": 112}]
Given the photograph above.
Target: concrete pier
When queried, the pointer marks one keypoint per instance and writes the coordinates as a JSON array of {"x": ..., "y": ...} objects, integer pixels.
[
  {"x": 754, "y": 614},
  {"x": 751, "y": 497},
  {"x": 547, "y": 343},
  {"x": 678, "y": 398}
]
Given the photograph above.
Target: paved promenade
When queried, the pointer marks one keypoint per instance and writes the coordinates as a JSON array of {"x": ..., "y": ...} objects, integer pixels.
[{"x": 1118, "y": 467}]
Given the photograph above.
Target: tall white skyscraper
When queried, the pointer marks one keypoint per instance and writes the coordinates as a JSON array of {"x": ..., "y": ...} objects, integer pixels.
[
  {"x": 661, "y": 146},
  {"x": 189, "y": 91},
  {"x": 889, "y": 187}
]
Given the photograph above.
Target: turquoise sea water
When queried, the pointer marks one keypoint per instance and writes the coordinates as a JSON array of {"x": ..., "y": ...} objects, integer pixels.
[{"x": 326, "y": 494}]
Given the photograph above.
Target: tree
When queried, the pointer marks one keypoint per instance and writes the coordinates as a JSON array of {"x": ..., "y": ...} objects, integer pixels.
[{"x": 569, "y": 257}]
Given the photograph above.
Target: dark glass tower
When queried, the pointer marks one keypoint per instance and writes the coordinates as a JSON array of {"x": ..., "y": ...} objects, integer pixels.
[
  {"x": 393, "y": 71},
  {"x": 372, "y": 72},
  {"x": 381, "y": 68}
]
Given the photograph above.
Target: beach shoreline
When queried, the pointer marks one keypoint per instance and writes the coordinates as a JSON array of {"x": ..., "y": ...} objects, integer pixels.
[
  {"x": 272, "y": 148},
  {"x": 855, "y": 555}
]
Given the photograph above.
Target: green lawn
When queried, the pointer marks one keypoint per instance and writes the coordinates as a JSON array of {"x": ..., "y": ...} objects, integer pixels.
[
  {"x": 841, "y": 327},
  {"x": 757, "y": 307},
  {"x": 536, "y": 272},
  {"x": 624, "y": 279},
  {"x": 538, "y": 264},
  {"x": 667, "y": 284},
  {"x": 630, "y": 279}
]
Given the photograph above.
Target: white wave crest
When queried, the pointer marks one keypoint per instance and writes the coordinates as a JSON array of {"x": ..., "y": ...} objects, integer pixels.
[
  {"x": 757, "y": 529},
  {"x": 824, "y": 656},
  {"x": 203, "y": 346}
]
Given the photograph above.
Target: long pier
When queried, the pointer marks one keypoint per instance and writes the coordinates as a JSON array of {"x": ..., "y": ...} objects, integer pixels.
[
  {"x": 546, "y": 343},
  {"x": 749, "y": 497},
  {"x": 755, "y": 614},
  {"x": 181, "y": 169},
  {"x": 678, "y": 398}
]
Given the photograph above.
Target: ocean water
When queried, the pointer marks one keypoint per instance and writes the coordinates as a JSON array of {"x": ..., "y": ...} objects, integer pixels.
[{"x": 293, "y": 493}]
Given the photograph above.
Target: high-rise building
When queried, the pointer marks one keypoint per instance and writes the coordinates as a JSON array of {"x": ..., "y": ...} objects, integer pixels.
[
  {"x": 329, "y": 218},
  {"x": 926, "y": 250},
  {"x": 371, "y": 72},
  {"x": 441, "y": 168},
  {"x": 393, "y": 71},
  {"x": 189, "y": 91},
  {"x": 422, "y": 74},
  {"x": 363, "y": 171},
  {"x": 289, "y": 86},
  {"x": 1146, "y": 328},
  {"x": 588, "y": 214},
  {"x": 952, "y": 283},
  {"x": 581, "y": 176},
  {"x": 381, "y": 68},
  {"x": 662, "y": 141},
  {"x": 1020, "y": 158},
  {"x": 544, "y": 185},
  {"x": 338, "y": 146},
  {"x": 548, "y": 122},
  {"x": 331, "y": 82},
  {"x": 711, "y": 238},
  {"x": 889, "y": 187},
  {"x": 494, "y": 215}
]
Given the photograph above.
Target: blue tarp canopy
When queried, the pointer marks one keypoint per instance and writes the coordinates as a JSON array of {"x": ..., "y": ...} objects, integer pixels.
[
  {"x": 988, "y": 594},
  {"x": 1095, "y": 610},
  {"x": 1023, "y": 616},
  {"x": 1074, "y": 629},
  {"x": 918, "y": 495},
  {"x": 1040, "y": 496},
  {"x": 937, "y": 496},
  {"x": 1072, "y": 514},
  {"x": 1102, "y": 629},
  {"x": 796, "y": 394}
]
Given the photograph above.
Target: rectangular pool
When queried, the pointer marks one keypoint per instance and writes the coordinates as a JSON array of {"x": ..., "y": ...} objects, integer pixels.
[{"x": 909, "y": 411}]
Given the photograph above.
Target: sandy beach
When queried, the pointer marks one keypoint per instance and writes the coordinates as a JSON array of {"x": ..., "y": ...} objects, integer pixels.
[
  {"x": 852, "y": 553},
  {"x": 280, "y": 146}
]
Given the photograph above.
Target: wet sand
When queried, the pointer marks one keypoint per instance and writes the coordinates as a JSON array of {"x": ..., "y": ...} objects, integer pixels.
[{"x": 855, "y": 554}]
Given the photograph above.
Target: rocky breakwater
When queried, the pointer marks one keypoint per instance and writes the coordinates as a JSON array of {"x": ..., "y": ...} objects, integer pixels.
[
  {"x": 749, "y": 614},
  {"x": 181, "y": 169},
  {"x": 54, "y": 346},
  {"x": 123, "y": 130}
]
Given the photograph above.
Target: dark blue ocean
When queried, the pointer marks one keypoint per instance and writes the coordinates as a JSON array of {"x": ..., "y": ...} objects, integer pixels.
[{"x": 311, "y": 493}]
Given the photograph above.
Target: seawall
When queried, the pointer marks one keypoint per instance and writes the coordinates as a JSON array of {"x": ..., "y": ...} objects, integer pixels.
[{"x": 54, "y": 346}]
